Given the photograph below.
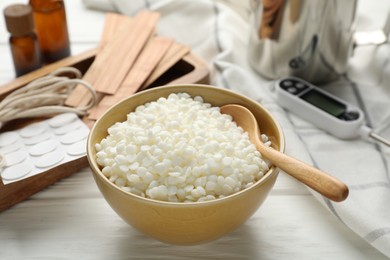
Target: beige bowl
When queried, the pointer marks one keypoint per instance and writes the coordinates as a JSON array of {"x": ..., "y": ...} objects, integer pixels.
[{"x": 175, "y": 222}]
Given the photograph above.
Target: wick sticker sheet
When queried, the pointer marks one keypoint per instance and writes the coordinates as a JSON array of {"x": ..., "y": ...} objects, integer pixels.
[{"x": 41, "y": 146}]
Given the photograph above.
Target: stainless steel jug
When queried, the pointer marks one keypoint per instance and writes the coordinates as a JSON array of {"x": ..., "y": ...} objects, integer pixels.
[{"x": 310, "y": 39}]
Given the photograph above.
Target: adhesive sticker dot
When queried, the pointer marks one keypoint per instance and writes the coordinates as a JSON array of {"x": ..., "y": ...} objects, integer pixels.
[
  {"x": 12, "y": 148},
  {"x": 15, "y": 157},
  {"x": 43, "y": 148},
  {"x": 62, "y": 119},
  {"x": 8, "y": 138},
  {"x": 75, "y": 136},
  {"x": 37, "y": 139},
  {"x": 68, "y": 128},
  {"x": 50, "y": 159},
  {"x": 33, "y": 130},
  {"x": 16, "y": 171},
  {"x": 78, "y": 149}
]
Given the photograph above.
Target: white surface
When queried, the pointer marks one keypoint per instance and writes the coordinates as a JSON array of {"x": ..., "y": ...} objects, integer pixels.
[{"x": 71, "y": 220}]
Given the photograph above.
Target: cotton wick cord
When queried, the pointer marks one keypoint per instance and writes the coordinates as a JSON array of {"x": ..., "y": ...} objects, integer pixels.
[{"x": 45, "y": 96}]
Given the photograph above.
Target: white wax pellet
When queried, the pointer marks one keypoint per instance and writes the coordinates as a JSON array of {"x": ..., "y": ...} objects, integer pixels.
[
  {"x": 120, "y": 159},
  {"x": 120, "y": 182},
  {"x": 227, "y": 161},
  {"x": 230, "y": 181},
  {"x": 148, "y": 178},
  {"x": 134, "y": 166},
  {"x": 172, "y": 190},
  {"x": 62, "y": 119},
  {"x": 124, "y": 168},
  {"x": 210, "y": 185},
  {"x": 133, "y": 178},
  {"x": 188, "y": 188},
  {"x": 226, "y": 190},
  {"x": 8, "y": 138},
  {"x": 141, "y": 170}
]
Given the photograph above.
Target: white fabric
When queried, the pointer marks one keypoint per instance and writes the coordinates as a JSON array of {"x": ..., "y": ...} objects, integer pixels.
[{"x": 217, "y": 31}]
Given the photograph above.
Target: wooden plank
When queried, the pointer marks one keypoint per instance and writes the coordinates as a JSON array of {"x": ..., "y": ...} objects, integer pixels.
[
  {"x": 124, "y": 51},
  {"x": 143, "y": 67},
  {"x": 115, "y": 25},
  {"x": 112, "y": 23},
  {"x": 174, "y": 54},
  {"x": 19, "y": 191}
]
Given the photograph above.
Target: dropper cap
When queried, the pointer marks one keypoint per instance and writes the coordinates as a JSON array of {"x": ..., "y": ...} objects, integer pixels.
[{"x": 19, "y": 19}]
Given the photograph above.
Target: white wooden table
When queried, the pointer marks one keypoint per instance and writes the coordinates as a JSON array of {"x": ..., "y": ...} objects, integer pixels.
[{"x": 71, "y": 220}]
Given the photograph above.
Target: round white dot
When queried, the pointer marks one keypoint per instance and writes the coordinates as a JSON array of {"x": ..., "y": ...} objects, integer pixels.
[
  {"x": 33, "y": 129},
  {"x": 43, "y": 148},
  {"x": 62, "y": 119},
  {"x": 78, "y": 149},
  {"x": 75, "y": 136},
  {"x": 8, "y": 138},
  {"x": 12, "y": 148},
  {"x": 37, "y": 139},
  {"x": 68, "y": 128},
  {"x": 16, "y": 172},
  {"x": 50, "y": 159},
  {"x": 15, "y": 157}
]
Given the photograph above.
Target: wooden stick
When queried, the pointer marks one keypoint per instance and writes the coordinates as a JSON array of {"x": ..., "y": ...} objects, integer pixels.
[
  {"x": 114, "y": 24},
  {"x": 174, "y": 54},
  {"x": 124, "y": 52},
  {"x": 143, "y": 67}
]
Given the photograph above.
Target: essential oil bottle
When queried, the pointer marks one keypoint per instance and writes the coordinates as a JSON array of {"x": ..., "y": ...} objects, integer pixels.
[
  {"x": 51, "y": 28},
  {"x": 23, "y": 41}
]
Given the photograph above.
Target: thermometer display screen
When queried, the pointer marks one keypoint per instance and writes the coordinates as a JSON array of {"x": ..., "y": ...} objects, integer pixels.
[{"x": 324, "y": 102}]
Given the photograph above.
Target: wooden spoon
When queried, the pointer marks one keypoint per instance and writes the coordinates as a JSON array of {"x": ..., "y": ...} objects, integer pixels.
[{"x": 314, "y": 178}]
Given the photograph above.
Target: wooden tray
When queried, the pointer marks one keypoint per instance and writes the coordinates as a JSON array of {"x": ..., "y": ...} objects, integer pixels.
[{"x": 189, "y": 70}]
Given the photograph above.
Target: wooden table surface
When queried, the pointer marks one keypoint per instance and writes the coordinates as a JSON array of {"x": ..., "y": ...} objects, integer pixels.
[{"x": 71, "y": 220}]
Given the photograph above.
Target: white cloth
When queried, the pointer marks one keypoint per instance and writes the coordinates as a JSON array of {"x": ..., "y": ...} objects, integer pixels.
[{"x": 217, "y": 31}]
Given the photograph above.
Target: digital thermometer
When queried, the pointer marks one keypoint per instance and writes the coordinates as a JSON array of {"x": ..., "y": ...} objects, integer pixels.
[{"x": 323, "y": 110}]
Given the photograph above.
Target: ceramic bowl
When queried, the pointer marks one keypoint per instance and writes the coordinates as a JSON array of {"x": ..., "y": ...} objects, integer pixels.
[{"x": 185, "y": 223}]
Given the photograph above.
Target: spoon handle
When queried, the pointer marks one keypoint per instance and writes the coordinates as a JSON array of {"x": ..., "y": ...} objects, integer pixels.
[{"x": 314, "y": 178}]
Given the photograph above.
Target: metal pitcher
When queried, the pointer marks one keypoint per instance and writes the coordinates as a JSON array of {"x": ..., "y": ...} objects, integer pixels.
[{"x": 310, "y": 39}]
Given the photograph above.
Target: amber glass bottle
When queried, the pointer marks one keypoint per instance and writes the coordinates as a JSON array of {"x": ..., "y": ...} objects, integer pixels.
[
  {"x": 23, "y": 41},
  {"x": 51, "y": 28}
]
